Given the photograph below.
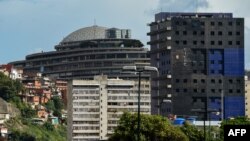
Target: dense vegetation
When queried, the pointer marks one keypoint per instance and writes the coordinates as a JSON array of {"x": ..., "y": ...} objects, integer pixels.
[
  {"x": 21, "y": 127},
  {"x": 157, "y": 128},
  {"x": 153, "y": 128},
  {"x": 25, "y": 130}
]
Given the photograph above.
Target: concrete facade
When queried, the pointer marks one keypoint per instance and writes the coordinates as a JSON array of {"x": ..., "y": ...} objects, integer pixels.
[
  {"x": 200, "y": 58},
  {"x": 95, "y": 106}
]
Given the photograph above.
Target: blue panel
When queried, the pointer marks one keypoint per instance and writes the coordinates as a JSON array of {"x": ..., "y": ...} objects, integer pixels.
[
  {"x": 215, "y": 104},
  {"x": 215, "y": 62},
  {"x": 234, "y": 62},
  {"x": 234, "y": 106}
]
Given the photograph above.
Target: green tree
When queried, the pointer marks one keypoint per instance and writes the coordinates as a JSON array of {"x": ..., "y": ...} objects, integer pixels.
[
  {"x": 153, "y": 128},
  {"x": 9, "y": 88},
  {"x": 50, "y": 105},
  {"x": 58, "y": 103},
  {"x": 48, "y": 126},
  {"x": 28, "y": 112},
  {"x": 233, "y": 121},
  {"x": 192, "y": 132}
]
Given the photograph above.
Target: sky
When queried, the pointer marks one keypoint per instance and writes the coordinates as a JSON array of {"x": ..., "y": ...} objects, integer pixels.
[{"x": 31, "y": 26}]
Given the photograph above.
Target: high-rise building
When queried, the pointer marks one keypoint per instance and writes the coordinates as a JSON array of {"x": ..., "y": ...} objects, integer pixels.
[
  {"x": 200, "y": 58},
  {"x": 95, "y": 106},
  {"x": 87, "y": 52}
]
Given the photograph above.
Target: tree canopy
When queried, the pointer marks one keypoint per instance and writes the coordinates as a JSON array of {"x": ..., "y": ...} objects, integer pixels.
[{"x": 153, "y": 128}]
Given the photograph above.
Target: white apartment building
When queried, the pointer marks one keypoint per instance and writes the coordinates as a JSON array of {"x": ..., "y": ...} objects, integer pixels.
[{"x": 95, "y": 106}]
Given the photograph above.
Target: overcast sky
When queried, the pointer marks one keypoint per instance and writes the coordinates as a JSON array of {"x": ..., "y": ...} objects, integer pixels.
[{"x": 30, "y": 26}]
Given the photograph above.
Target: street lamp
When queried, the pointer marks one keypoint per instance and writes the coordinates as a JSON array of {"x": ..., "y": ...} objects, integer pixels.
[{"x": 134, "y": 69}]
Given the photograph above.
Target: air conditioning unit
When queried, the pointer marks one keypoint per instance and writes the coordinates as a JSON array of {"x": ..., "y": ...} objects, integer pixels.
[{"x": 169, "y": 28}]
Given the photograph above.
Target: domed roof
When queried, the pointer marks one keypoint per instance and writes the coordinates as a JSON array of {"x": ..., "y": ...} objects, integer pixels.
[{"x": 87, "y": 33}]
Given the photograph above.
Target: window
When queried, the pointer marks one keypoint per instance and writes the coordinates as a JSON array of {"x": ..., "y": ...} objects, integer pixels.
[
  {"x": 177, "y": 90},
  {"x": 184, "y": 23},
  {"x": 194, "y": 32},
  {"x": 203, "y": 90},
  {"x": 177, "y": 80},
  {"x": 202, "y": 23},
  {"x": 185, "y": 80},
  {"x": 184, "y": 32},
  {"x": 238, "y": 91},
  {"x": 212, "y": 33},
  {"x": 195, "y": 90},
  {"x": 195, "y": 42},
  {"x": 184, "y": 90},
  {"x": 177, "y": 42},
  {"x": 177, "y": 32},
  {"x": 230, "y": 42},
  {"x": 194, "y": 71},
  {"x": 177, "y": 23},
  {"x": 202, "y": 42},
  {"x": 230, "y": 90},
  {"x": 212, "y": 42},
  {"x": 238, "y": 81},
  {"x": 219, "y": 42},
  {"x": 202, "y": 32},
  {"x": 184, "y": 42},
  {"x": 230, "y": 81},
  {"x": 230, "y": 33},
  {"x": 195, "y": 80},
  {"x": 238, "y": 23},
  {"x": 220, "y": 33},
  {"x": 213, "y": 90},
  {"x": 237, "y": 33},
  {"x": 220, "y": 23},
  {"x": 220, "y": 81},
  {"x": 212, "y": 62},
  {"x": 212, "y": 81},
  {"x": 230, "y": 23},
  {"x": 202, "y": 80},
  {"x": 237, "y": 42},
  {"x": 212, "y": 23}
]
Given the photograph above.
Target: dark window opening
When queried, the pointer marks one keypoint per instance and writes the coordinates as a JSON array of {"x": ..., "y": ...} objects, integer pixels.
[
  {"x": 237, "y": 42},
  {"x": 212, "y": 42},
  {"x": 219, "y": 42}
]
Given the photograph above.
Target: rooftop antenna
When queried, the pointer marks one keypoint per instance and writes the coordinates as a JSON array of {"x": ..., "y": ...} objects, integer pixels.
[
  {"x": 94, "y": 28},
  {"x": 196, "y": 8},
  {"x": 94, "y": 22}
]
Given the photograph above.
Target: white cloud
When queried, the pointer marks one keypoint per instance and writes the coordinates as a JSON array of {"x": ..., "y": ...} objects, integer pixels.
[{"x": 181, "y": 5}]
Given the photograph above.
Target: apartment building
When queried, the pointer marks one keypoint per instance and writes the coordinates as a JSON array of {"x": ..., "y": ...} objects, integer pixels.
[{"x": 95, "y": 106}]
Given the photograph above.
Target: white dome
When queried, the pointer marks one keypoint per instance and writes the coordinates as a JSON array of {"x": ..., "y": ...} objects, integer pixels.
[{"x": 87, "y": 33}]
